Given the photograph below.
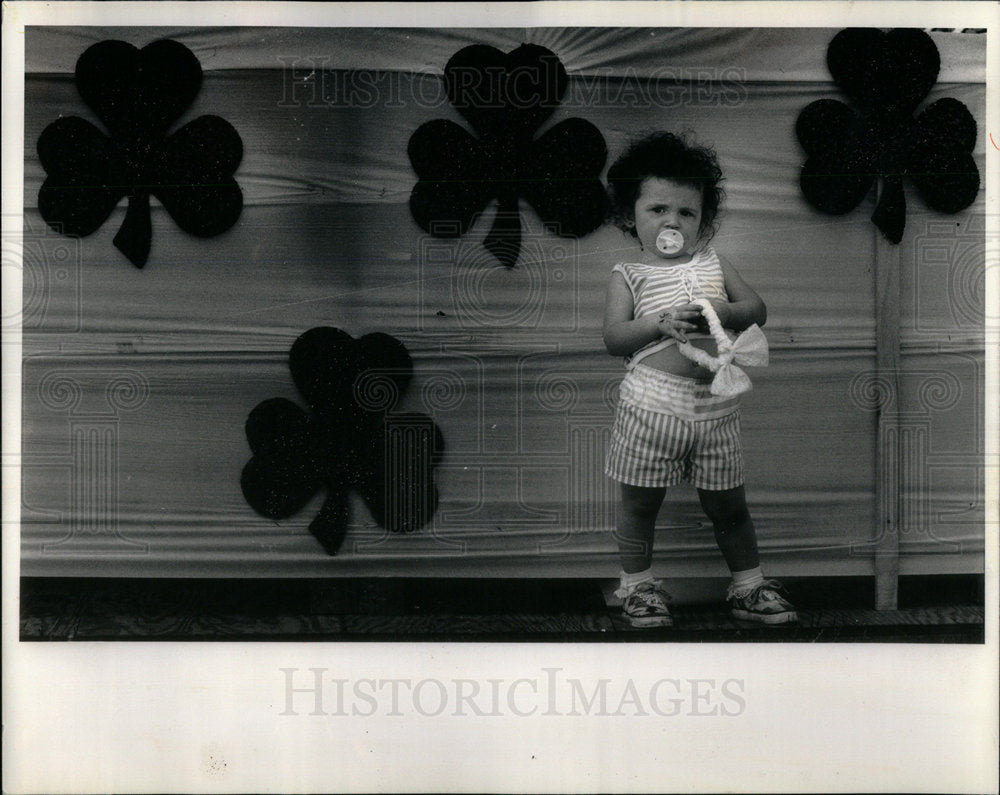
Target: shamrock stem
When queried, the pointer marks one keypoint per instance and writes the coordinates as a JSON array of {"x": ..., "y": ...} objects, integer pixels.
[
  {"x": 136, "y": 231},
  {"x": 330, "y": 524},
  {"x": 504, "y": 238},
  {"x": 890, "y": 212}
]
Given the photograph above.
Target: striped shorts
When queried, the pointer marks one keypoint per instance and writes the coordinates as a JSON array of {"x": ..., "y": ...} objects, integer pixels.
[{"x": 670, "y": 429}]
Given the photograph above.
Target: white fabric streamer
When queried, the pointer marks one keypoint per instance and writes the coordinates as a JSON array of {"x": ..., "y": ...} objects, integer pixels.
[{"x": 748, "y": 349}]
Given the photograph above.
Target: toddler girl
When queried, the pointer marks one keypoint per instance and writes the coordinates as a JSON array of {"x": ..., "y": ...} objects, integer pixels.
[{"x": 669, "y": 426}]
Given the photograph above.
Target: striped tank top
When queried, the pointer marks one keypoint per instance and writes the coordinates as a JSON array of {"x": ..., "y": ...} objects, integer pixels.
[{"x": 657, "y": 287}]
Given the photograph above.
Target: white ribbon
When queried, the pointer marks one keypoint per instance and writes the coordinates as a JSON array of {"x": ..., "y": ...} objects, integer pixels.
[{"x": 748, "y": 349}]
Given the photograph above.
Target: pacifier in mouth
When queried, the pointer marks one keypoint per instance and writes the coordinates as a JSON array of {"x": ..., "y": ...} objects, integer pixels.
[{"x": 669, "y": 241}]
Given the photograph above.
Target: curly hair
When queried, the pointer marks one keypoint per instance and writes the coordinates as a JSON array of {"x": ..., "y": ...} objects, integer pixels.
[{"x": 667, "y": 156}]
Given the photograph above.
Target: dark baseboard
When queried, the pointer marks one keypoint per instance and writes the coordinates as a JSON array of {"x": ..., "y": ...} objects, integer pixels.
[{"x": 932, "y": 609}]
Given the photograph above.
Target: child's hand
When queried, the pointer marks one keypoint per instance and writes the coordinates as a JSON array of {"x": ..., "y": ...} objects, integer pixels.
[{"x": 674, "y": 322}]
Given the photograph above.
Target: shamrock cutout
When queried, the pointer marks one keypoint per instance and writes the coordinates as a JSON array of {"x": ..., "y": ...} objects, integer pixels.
[
  {"x": 352, "y": 439},
  {"x": 138, "y": 94},
  {"x": 887, "y": 75},
  {"x": 506, "y": 98}
]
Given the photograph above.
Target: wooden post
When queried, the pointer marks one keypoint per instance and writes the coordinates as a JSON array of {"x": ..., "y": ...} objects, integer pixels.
[{"x": 887, "y": 453}]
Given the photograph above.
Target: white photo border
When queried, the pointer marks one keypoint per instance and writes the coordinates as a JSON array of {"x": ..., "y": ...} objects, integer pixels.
[{"x": 229, "y": 717}]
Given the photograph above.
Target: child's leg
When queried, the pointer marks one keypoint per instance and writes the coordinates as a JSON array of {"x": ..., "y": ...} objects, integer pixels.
[
  {"x": 750, "y": 596},
  {"x": 634, "y": 528},
  {"x": 734, "y": 530},
  {"x": 644, "y": 602}
]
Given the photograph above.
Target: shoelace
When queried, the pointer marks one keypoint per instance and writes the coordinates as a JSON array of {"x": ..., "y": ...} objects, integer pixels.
[
  {"x": 769, "y": 590},
  {"x": 649, "y": 594}
]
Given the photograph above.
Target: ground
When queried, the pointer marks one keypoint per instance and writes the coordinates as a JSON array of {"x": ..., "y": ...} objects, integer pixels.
[{"x": 938, "y": 609}]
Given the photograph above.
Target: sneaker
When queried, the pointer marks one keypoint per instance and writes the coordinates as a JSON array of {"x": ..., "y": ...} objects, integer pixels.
[
  {"x": 764, "y": 604},
  {"x": 646, "y": 606}
]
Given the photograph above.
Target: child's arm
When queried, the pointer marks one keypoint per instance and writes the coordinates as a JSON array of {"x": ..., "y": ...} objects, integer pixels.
[
  {"x": 744, "y": 307},
  {"x": 624, "y": 335}
]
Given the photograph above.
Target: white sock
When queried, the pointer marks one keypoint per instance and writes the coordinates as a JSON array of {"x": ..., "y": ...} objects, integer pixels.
[
  {"x": 629, "y": 581},
  {"x": 745, "y": 581}
]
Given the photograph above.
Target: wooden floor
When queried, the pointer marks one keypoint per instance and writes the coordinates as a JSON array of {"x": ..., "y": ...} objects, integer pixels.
[{"x": 947, "y": 609}]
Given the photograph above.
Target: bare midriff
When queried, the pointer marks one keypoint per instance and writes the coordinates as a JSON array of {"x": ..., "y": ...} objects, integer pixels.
[{"x": 671, "y": 360}]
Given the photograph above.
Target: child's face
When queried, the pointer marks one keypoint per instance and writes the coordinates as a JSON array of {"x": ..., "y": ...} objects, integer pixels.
[{"x": 665, "y": 204}]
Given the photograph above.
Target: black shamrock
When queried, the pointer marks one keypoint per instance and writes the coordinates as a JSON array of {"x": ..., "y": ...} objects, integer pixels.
[
  {"x": 887, "y": 75},
  {"x": 506, "y": 98},
  {"x": 353, "y": 440},
  {"x": 138, "y": 95}
]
